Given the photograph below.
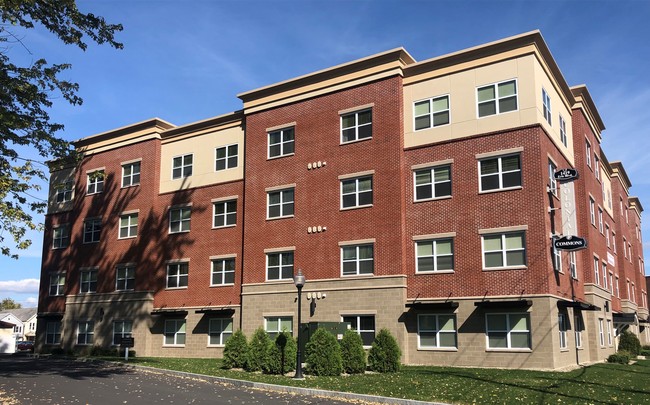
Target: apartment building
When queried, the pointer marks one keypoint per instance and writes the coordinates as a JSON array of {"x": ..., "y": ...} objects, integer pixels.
[{"x": 414, "y": 196}]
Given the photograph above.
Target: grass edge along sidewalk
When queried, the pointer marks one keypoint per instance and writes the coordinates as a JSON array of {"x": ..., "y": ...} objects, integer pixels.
[{"x": 598, "y": 383}]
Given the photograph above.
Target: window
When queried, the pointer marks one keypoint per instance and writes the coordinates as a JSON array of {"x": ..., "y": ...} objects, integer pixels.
[
  {"x": 604, "y": 267},
  {"x": 609, "y": 332},
  {"x": 125, "y": 278},
  {"x": 504, "y": 250},
  {"x": 600, "y": 220},
  {"x": 432, "y": 182},
  {"x": 508, "y": 331},
  {"x": 618, "y": 287},
  {"x": 121, "y": 329},
  {"x": 633, "y": 294},
  {"x": 85, "y": 332},
  {"x": 356, "y": 192},
  {"x": 64, "y": 192},
  {"x": 562, "y": 324},
  {"x": 614, "y": 241},
  {"x": 552, "y": 183},
  {"x": 356, "y": 260},
  {"x": 356, "y": 126},
  {"x": 611, "y": 282},
  {"x": 174, "y": 332},
  {"x": 177, "y": 275},
  {"x": 431, "y": 113},
  {"x": 624, "y": 247},
  {"x": 61, "y": 236},
  {"x": 596, "y": 273},
  {"x": 273, "y": 325},
  {"x": 572, "y": 265},
  {"x": 497, "y": 98},
  {"x": 279, "y": 266},
  {"x": 546, "y": 100},
  {"x": 224, "y": 213},
  {"x": 57, "y": 284},
  {"x": 563, "y": 137},
  {"x": 557, "y": 258},
  {"x": 88, "y": 281},
  {"x": 607, "y": 235},
  {"x": 179, "y": 219},
  {"x": 95, "y": 182},
  {"x": 592, "y": 211},
  {"x": 131, "y": 174},
  {"x": 281, "y": 142},
  {"x": 92, "y": 230},
  {"x": 596, "y": 167},
  {"x": 364, "y": 325},
  {"x": 436, "y": 331},
  {"x": 629, "y": 295},
  {"x": 220, "y": 330},
  {"x": 53, "y": 333},
  {"x": 500, "y": 173},
  {"x": 578, "y": 328},
  {"x": 434, "y": 255},
  {"x": 223, "y": 271},
  {"x": 601, "y": 332},
  {"x": 280, "y": 203},
  {"x": 128, "y": 225},
  {"x": 182, "y": 166},
  {"x": 226, "y": 157}
]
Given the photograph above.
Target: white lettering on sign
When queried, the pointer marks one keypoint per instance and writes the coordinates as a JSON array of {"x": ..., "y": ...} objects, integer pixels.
[{"x": 569, "y": 224}]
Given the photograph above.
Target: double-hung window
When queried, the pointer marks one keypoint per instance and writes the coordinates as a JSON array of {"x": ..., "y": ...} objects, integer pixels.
[
  {"x": 130, "y": 174},
  {"x": 57, "y": 284},
  {"x": 500, "y": 173},
  {"x": 88, "y": 281},
  {"x": 557, "y": 259},
  {"x": 95, "y": 182},
  {"x": 434, "y": 255},
  {"x": 177, "y": 274},
  {"x": 592, "y": 211},
  {"x": 364, "y": 325},
  {"x": 273, "y": 325},
  {"x": 432, "y": 182},
  {"x": 546, "y": 101},
  {"x": 497, "y": 98},
  {"x": 174, "y": 332},
  {"x": 596, "y": 270},
  {"x": 121, "y": 329},
  {"x": 431, "y": 113},
  {"x": 588, "y": 153},
  {"x": 125, "y": 277},
  {"x": 508, "y": 331},
  {"x": 552, "y": 182},
  {"x": 503, "y": 250},
  {"x": 281, "y": 142},
  {"x": 226, "y": 157},
  {"x": 279, "y": 266},
  {"x": 219, "y": 331},
  {"x": 53, "y": 333},
  {"x": 601, "y": 228},
  {"x": 609, "y": 332},
  {"x": 597, "y": 167},
  {"x": 604, "y": 267},
  {"x": 356, "y": 126},
  {"x": 563, "y": 136},
  {"x": 436, "y": 331},
  {"x": 61, "y": 236},
  {"x": 182, "y": 166},
  {"x": 280, "y": 203},
  {"x": 572, "y": 265},
  {"x": 85, "y": 332},
  {"x": 356, "y": 192},
  {"x": 92, "y": 230},
  {"x": 357, "y": 259},
  {"x": 179, "y": 219},
  {"x": 224, "y": 213},
  {"x": 64, "y": 192},
  {"x": 578, "y": 326},
  {"x": 223, "y": 271},
  {"x": 562, "y": 325},
  {"x": 128, "y": 225}
]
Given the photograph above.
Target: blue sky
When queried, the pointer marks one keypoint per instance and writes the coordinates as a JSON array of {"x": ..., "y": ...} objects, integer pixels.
[{"x": 185, "y": 61}]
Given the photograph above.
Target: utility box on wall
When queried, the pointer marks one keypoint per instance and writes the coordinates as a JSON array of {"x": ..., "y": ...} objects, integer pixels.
[{"x": 335, "y": 328}]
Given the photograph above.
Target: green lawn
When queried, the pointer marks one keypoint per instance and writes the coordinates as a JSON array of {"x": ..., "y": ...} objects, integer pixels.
[{"x": 597, "y": 384}]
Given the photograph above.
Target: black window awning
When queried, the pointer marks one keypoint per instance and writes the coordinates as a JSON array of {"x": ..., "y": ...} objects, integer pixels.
[
  {"x": 169, "y": 312},
  {"x": 433, "y": 305},
  {"x": 625, "y": 318},
  {"x": 216, "y": 311},
  {"x": 487, "y": 304},
  {"x": 577, "y": 304},
  {"x": 50, "y": 315}
]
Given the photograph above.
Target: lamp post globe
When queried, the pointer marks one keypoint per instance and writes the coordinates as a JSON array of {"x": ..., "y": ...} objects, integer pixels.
[{"x": 299, "y": 281}]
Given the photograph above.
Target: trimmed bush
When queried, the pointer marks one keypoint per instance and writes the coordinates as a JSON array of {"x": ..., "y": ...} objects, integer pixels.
[
  {"x": 282, "y": 355},
  {"x": 258, "y": 350},
  {"x": 645, "y": 352},
  {"x": 384, "y": 354},
  {"x": 620, "y": 357},
  {"x": 323, "y": 354},
  {"x": 353, "y": 353},
  {"x": 630, "y": 343},
  {"x": 235, "y": 352}
]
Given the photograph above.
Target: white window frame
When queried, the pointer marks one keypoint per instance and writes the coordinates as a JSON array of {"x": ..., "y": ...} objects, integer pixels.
[
  {"x": 124, "y": 275},
  {"x": 432, "y": 184},
  {"x": 178, "y": 271},
  {"x": 500, "y": 173},
  {"x": 573, "y": 265},
  {"x": 125, "y": 330},
  {"x": 358, "y": 330},
  {"x": 228, "y": 158},
  {"x": 219, "y": 329},
  {"x": 177, "y": 330},
  {"x": 95, "y": 182},
  {"x": 552, "y": 182},
  {"x": 557, "y": 259},
  {"x": 53, "y": 333},
  {"x": 607, "y": 241},
  {"x": 133, "y": 178},
  {"x": 504, "y": 250},
  {"x": 92, "y": 230},
  {"x": 181, "y": 221},
  {"x": 130, "y": 227},
  {"x": 356, "y": 127},
  {"x": 57, "y": 282},
  {"x": 88, "y": 279},
  {"x": 432, "y": 114},
  {"x": 588, "y": 153},
  {"x": 546, "y": 106},
  {"x": 283, "y": 143},
  {"x": 287, "y": 206},
  {"x": 356, "y": 259},
  {"x": 508, "y": 331},
  {"x": 609, "y": 332},
  {"x": 228, "y": 218},
  {"x": 592, "y": 211},
  {"x": 596, "y": 270},
  {"x": 218, "y": 268},
  {"x": 434, "y": 245},
  {"x": 601, "y": 227},
  {"x": 437, "y": 331},
  {"x": 562, "y": 326},
  {"x": 277, "y": 321},
  {"x": 357, "y": 192},
  {"x": 563, "y": 135},
  {"x": 184, "y": 168},
  {"x": 61, "y": 236},
  {"x": 497, "y": 98},
  {"x": 85, "y": 333},
  {"x": 64, "y": 192},
  {"x": 597, "y": 167},
  {"x": 578, "y": 326},
  {"x": 280, "y": 266}
]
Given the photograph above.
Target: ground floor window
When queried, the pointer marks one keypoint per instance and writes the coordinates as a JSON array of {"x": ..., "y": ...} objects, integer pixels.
[
  {"x": 53, "y": 333},
  {"x": 578, "y": 327},
  {"x": 85, "y": 332},
  {"x": 219, "y": 332},
  {"x": 508, "y": 331},
  {"x": 562, "y": 324},
  {"x": 364, "y": 325},
  {"x": 121, "y": 329},
  {"x": 609, "y": 332},
  {"x": 436, "y": 331},
  {"x": 273, "y": 325},
  {"x": 601, "y": 332},
  {"x": 174, "y": 332}
]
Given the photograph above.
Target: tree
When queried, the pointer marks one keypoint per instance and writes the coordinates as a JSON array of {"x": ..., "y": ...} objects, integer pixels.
[
  {"x": 8, "y": 303},
  {"x": 26, "y": 94}
]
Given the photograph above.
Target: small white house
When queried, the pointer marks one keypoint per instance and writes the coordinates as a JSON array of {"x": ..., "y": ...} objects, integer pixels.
[{"x": 7, "y": 338}]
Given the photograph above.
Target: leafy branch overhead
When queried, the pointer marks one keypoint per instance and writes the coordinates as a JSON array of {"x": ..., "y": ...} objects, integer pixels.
[{"x": 26, "y": 94}]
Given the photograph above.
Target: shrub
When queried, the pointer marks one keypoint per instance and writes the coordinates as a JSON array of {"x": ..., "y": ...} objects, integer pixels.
[
  {"x": 258, "y": 350},
  {"x": 629, "y": 343},
  {"x": 645, "y": 347},
  {"x": 98, "y": 351},
  {"x": 645, "y": 352},
  {"x": 235, "y": 352},
  {"x": 384, "y": 354},
  {"x": 620, "y": 357},
  {"x": 352, "y": 352},
  {"x": 57, "y": 351},
  {"x": 323, "y": 354},
  {"x": 282, "y": 355}
]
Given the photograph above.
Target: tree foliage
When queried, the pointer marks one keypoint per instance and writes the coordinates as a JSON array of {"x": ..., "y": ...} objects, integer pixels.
[
  {"x": 323, "y": 354},
  {"x": 282, "y": 354},
  {"x": 235, "y": 351},
  {"x": 385, "y": 353},
  {"x": 353, "y": 353},
  {"x": 26, "y": 94},
  {"x": 8, "y": 303},
  {"x": 258, "y": 350}
]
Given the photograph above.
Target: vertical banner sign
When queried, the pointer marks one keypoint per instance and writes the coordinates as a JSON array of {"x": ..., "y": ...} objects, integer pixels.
[{"x": 569, "y": 224}]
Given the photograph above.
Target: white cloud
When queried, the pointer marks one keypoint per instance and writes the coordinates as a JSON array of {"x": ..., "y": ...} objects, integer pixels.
[
  {"x": 27, "y": 286},
  {"x": 30, "y": 302}
]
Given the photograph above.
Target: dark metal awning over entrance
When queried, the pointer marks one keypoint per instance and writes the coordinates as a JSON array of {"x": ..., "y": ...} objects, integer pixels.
[
  {"x": 487, "y": 304},
  {"x": 169, "y": 312},
  {"x": 215, "y": 311},
  {"x": 433, "y": 305},
  {"x": 625, "y": 318},
  {"x": 578, "y": 305}
]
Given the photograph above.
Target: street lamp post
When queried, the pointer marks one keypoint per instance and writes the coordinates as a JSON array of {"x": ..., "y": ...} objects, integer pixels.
[{"x": 299, "y": 280}]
